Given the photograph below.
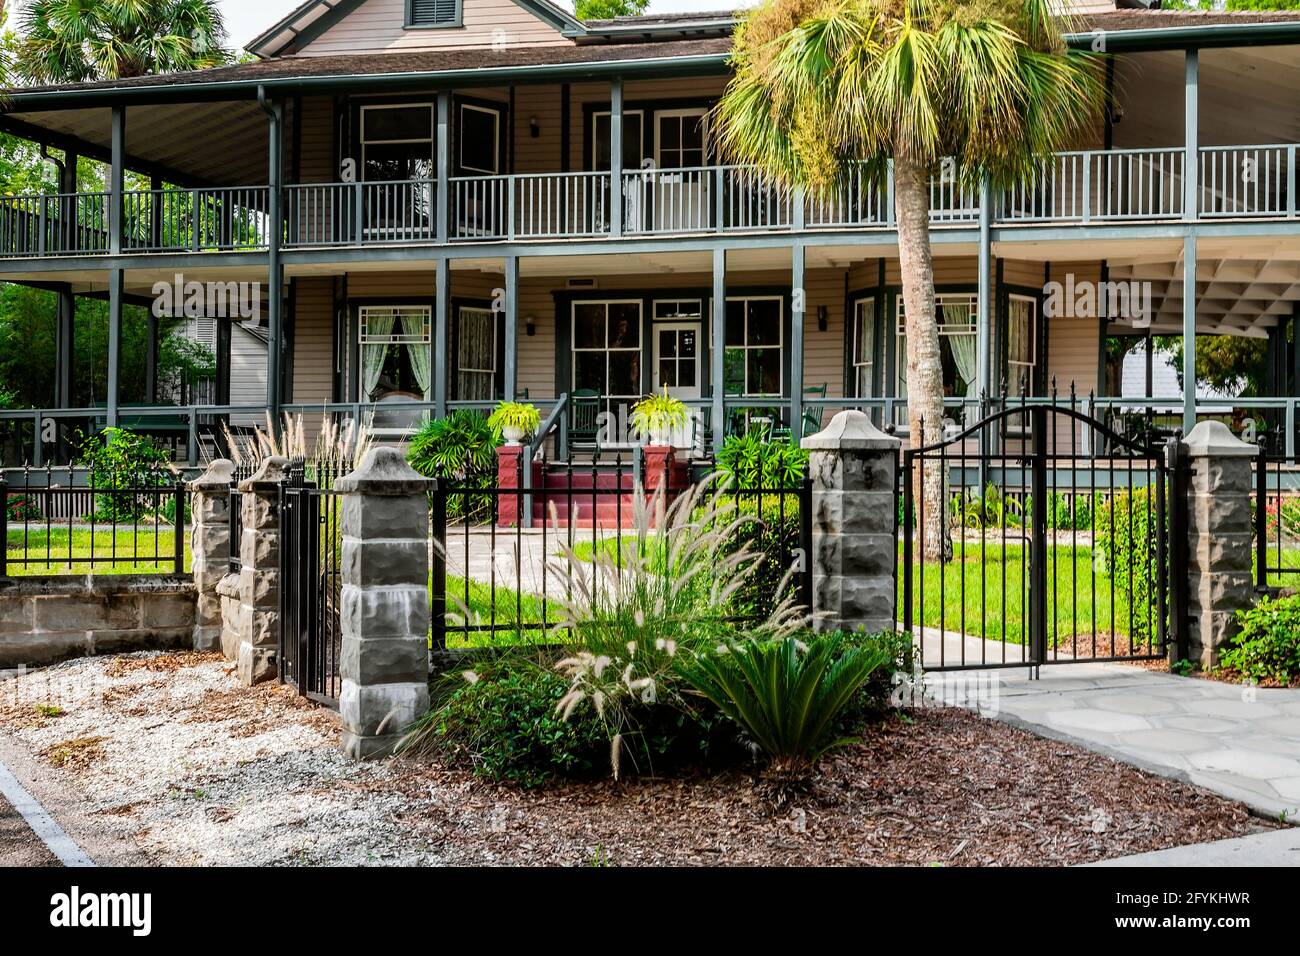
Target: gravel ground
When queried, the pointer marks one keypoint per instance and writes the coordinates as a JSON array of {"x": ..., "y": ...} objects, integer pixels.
[{"x": 168, "y": 752}]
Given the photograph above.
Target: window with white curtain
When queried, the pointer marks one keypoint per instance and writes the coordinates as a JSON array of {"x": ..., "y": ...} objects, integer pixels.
[
  {"x": 956, "y": 314},
  {"x": 1022, "y": 312},
  {"x": 476, "y": 354},
  {"x": 864, "y": 345},
  {"x": 394, "y": 342}
]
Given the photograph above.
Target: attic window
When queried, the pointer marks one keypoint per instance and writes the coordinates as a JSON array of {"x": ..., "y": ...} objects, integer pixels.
[{"x": 433, "y": 13}]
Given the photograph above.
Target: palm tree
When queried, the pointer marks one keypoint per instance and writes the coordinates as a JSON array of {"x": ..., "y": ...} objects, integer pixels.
[
  {"x": 823, "y": 88},
  {"x": 72, "y": 41}
]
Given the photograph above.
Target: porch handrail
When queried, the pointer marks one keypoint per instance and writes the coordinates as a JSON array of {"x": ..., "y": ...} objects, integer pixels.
[{"x": 557, "y": 419}]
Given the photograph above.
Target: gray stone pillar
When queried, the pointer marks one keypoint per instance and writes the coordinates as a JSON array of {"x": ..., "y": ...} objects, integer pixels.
[
  {"x": 385, "y": 602},
  {"x": 854, "y": 470},
  {"x": 1221, "y": 535},
  {"x": 259, "y": 573},
  {"x": 210, "y": 548}
]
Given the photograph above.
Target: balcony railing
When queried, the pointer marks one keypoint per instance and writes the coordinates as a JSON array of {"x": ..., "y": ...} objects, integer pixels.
[{"x": 1125, "y": 185}]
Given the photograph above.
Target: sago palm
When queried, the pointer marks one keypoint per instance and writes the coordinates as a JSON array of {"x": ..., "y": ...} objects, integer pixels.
[
  {"x": 70, "y": 41},
  {"x": 826, "y": 88}
]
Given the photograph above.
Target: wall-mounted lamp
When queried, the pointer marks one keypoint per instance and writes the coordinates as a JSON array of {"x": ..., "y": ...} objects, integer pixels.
[
  {"x": 530, "y": 326},
  {"x": 823, "y": 318},
  {"x": 534, "y": 128}
]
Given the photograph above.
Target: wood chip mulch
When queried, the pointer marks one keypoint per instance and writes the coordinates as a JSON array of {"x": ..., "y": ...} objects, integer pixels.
[{"x": 934, "y": 787}]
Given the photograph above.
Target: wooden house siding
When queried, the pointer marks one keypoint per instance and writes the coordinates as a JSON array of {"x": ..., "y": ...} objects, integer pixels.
[{"x": 379, "y": 26}]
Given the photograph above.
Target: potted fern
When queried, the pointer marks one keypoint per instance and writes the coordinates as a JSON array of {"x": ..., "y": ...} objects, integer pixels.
[
  {"x": 657, "y": 417},
  {"x": 515, "y": 421}
]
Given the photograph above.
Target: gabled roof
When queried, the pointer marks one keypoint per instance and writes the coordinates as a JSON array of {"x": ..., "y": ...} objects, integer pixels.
[{"x": 316, "y": 16}]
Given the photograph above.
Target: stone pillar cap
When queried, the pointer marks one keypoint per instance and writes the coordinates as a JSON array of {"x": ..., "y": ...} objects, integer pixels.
[
  {"x": 220, "y": 473},
  {"x": 272, "y": 471},
  {"x": 383, "y": 471},
  {"x": 851, "y": 430},
  {"x": 1213, "y": 439}
]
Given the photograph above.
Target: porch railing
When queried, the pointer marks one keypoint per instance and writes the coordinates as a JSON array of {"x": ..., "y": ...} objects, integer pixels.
[
  {"x": 57, "y": 224},
  {"x": 1122, "y": 185},
  {"x": 1241, "y": 181},
  {"x": 196, "y": 220}
]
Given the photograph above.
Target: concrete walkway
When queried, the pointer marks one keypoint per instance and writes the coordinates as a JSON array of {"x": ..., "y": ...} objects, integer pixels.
[
  {"x": 1241, "y": 742},
  {"x": 1276, "y": 848}
]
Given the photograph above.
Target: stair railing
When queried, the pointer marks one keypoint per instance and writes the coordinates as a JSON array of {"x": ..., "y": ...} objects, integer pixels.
[{"x": 557, "y": 420}]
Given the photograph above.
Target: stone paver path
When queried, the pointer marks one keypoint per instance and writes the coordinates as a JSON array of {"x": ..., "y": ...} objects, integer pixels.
[{"x": 1241, "y": 742}]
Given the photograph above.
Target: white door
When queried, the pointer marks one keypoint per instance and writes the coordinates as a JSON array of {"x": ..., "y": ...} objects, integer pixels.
[
  {"x": 681, "y": 185},
  {"x": 678, "y": 368}
]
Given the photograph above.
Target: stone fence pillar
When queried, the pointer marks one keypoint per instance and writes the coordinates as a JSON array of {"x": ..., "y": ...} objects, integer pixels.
[
  {"x": 259, "y": 573},
  {"x": 854, "y": 471},
  {"x": 385, "y": 602},
  {"x": 210, "y": 548},
  {"x": 1220, "y": 538}
]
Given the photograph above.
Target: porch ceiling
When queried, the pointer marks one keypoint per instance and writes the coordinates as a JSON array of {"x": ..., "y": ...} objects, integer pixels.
[
  {"x": 1233, "y": 296},
  {"x": 202, "y": 142},
  {"x": 1246, "y": 94}
]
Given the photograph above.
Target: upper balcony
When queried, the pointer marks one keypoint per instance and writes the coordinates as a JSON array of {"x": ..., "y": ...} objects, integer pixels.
[{"x": 1081, "y": 187}]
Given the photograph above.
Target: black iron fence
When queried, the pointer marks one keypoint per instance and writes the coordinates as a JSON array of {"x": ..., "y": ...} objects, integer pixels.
[
  {"x": 507, "y": 561},
  {"x": 1276, "y": 558},
  {"x": 311, "y": 543},
  {"x": 1020, "y": 548},
  {"x": 65, "y": 521}
]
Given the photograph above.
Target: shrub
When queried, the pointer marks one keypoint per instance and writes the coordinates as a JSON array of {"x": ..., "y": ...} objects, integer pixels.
[
  {"x": 752, "y": 461},
  {"x": 772, "y": 533},
  {"x": 787, "y": 696},
  {"x": 1268, "y": 646},
  {"x": 503, "y": 719},
  {"x": 1126, "y": 529},
  {"x": 23, "y": 508},
  {"x": 119, "y": 458},
  {"x": 461, "y": 450}
]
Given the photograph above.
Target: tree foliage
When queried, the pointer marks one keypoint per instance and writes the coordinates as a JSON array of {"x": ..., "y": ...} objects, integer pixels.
[
  {"x": 72, "y": 41},
  {"x": 823, "y": 85},
  {"x": 609, "y": 9},
  {"x": 1229, "y": 364}
]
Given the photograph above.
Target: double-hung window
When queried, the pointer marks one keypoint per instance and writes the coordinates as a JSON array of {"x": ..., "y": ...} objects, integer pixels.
[
  {"x": 956, "y": 314},
  {"x": 395, "y": 360}
]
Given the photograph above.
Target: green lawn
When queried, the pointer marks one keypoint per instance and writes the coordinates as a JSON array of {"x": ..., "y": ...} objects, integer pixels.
[
  {"x": 486, "y": 608},
  {"x": 987, "y": 583},
  {"x": 128, "y": 550}
]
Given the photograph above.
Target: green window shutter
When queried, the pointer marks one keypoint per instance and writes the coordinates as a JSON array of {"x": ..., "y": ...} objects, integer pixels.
[{"x": 430, "y": 13}]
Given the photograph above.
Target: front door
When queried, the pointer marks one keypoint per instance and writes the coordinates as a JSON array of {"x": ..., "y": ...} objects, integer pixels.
[
  {"x": 678, "y": 369},
  {"x": 677, "y": 359},
  {"x": 682, "y": 188}
]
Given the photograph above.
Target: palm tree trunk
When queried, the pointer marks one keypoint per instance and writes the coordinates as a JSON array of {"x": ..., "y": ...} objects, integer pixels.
[{"x": 924, "y": 366}]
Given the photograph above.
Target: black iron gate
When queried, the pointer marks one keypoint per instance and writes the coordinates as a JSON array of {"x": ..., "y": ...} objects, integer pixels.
[
  {"x": 1054, "y": 543},
  {"x": 310, "y": 585}
]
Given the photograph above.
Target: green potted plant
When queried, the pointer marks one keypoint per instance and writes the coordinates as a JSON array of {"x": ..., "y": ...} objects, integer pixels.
[
  {"x": 658, "y": 416},
  {"x": 515, "y": 421}
]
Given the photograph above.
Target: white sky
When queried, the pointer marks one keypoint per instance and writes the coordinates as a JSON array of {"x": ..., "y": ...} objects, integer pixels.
[{"x": 245, "y": 19}]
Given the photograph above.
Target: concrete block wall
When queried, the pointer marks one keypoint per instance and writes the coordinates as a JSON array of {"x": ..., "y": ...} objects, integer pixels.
[{"x": 47, "y": 620}]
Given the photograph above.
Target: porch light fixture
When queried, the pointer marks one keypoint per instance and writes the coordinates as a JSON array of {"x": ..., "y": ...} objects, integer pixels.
[
  {"x": 534, "y": 128},
  {"x": 823, "y": 318},
  {"x": 530, "y": 326}
]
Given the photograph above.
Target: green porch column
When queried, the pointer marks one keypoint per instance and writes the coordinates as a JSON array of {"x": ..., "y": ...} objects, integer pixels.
[
  {"x": 275, "y": 271},
  {"x": 717, "y": 343},
  {"x": 441, "y": 317},
  {"x": 1189, "y": 332},
  {"x": 616, "y": 158},
  {"x": 798, "y": 311},
  {"x": 116, "y": 282},
  {"x": 442, "y": 201},
  {"x": 984, "y": 315},
  {"x": 511, "y": 330},
  {"x": 1191, "y": 136}
]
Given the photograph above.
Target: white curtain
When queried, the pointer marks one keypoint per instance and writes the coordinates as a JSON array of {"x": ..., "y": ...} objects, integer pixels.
[
  {"x": 418, "y": 350},
  {"x": 963, "y": 348},
  {"x": 379, "y": 325}
]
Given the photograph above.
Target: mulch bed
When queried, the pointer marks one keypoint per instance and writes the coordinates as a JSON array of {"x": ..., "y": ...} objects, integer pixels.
[{"x": 933, "y": 787}]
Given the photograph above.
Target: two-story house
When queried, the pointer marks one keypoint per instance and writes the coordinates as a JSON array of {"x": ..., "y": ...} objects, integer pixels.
[{"x": 445, "y": 203}]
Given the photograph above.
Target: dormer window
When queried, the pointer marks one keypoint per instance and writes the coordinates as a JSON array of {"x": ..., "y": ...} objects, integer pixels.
[{"x": 433, "y": 13}]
